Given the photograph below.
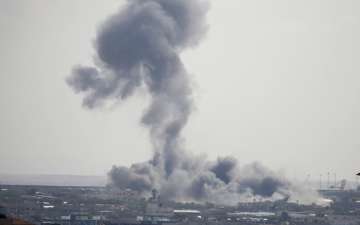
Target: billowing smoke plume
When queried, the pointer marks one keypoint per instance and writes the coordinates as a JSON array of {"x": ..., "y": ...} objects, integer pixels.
[{"x": 139, "y": 47}]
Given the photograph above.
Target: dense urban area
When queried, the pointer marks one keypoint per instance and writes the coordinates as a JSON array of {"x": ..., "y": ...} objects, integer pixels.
[{"x": 50, "y": 205}]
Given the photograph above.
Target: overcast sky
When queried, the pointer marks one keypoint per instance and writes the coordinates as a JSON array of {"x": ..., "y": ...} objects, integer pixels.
[{"x": 276, "y": 81}]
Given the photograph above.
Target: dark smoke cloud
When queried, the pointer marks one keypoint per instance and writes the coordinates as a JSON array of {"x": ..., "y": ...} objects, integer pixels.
[
  {"x": 138, "y": 48},
  {"x": 264, "y": 187},
  {"x": 137, "y": 177},
  {"x": 223, "y": 168},
  {"x": 203, "y": 184},
  {"x": 261, "y": 181}
]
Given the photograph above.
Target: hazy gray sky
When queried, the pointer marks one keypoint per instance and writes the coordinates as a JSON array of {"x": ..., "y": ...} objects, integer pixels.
[{"x": 275, "y": 81}]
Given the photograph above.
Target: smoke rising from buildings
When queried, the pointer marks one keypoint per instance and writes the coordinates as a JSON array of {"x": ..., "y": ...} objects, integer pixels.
[{"x": 139, "y": 47}]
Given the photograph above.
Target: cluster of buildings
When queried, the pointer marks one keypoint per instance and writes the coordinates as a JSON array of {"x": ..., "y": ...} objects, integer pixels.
[{"x": 39, "y": 205}]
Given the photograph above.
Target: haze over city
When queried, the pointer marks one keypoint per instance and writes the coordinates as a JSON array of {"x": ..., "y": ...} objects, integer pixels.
[{"x": 179, "y": 112}]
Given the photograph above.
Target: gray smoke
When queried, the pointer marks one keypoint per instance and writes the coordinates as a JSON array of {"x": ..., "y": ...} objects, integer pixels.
[
  {"x": 137, "y": 177},
  {"x": 223, "y": 168},
  {"x": 138, "y": 48}
]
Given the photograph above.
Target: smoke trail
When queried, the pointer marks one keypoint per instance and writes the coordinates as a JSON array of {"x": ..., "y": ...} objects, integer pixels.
[{"x": 139, "y": 47}]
